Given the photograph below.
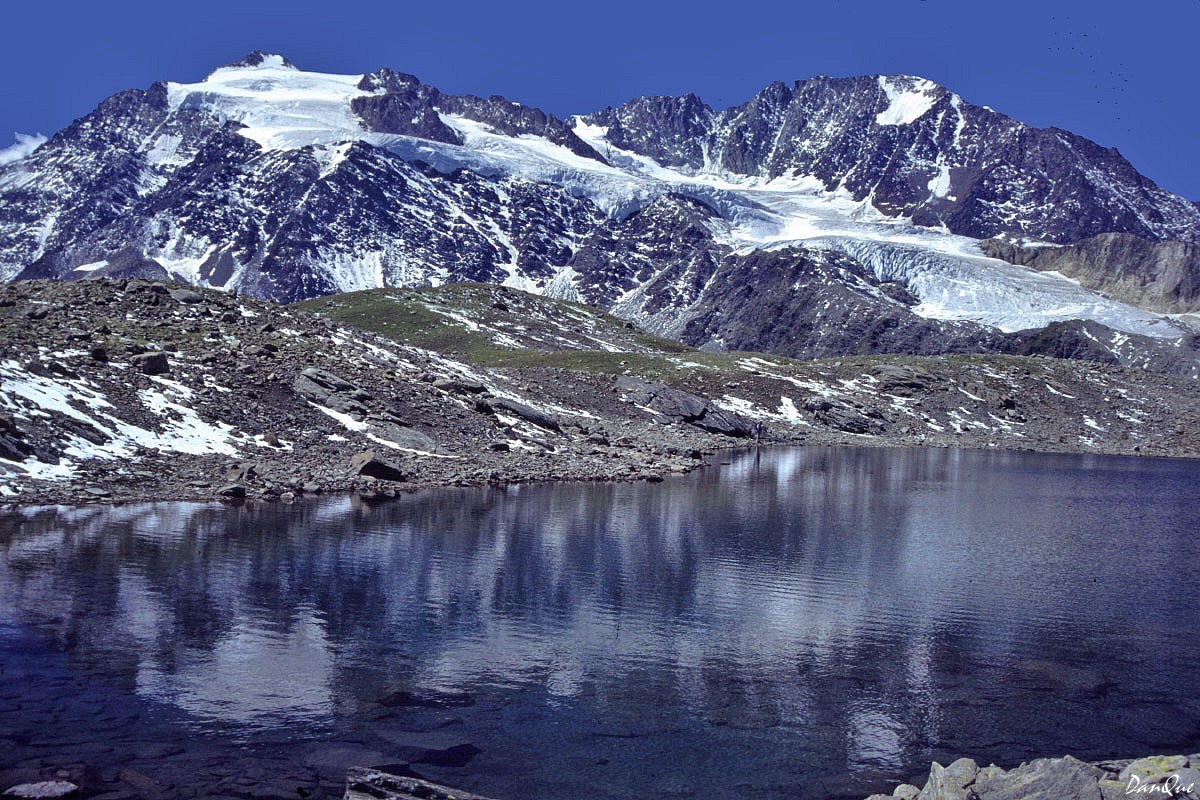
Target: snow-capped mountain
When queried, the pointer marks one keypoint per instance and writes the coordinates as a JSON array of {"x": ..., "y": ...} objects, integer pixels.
[
  {"x": 910, "y": 148},
  {"x": 853, "y": 205}
]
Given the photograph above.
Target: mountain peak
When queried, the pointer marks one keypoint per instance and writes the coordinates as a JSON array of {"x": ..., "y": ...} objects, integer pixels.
[{"x": 260, "y": 59}]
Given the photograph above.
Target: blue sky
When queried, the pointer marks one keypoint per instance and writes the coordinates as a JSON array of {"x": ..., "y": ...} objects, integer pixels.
[{"x": 1122, "y": 74}]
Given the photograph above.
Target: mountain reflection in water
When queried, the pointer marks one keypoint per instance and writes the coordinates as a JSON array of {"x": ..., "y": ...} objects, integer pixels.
[{"x": 796, "y": 622}]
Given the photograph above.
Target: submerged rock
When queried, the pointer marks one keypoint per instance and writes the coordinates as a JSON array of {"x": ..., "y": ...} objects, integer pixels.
[{"x": 44, "y": 789}]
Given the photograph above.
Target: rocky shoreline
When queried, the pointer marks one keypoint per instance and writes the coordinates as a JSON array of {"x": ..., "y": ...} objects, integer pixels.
[
  {"x": 1065, "y": 778},
  {"x": 116, "y": 391}
]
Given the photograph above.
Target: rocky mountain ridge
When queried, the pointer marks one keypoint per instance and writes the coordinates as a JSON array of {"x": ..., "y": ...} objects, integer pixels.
[{"x": 913, "y": 148}]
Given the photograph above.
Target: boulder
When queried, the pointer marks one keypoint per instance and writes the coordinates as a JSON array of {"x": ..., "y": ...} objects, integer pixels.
[
  {"x": 401, "y": 435},
  {"x": 1061, "y": 778},
  {"x": 151, "y": 363},
  {"x": 315, "y": 383},
  {"x": 459, "y": 386},
  {"x": 503, "y": 405},
  {"x": 683, "y": 406},
  {"x": 182, "y": 295},
  {"x": 372, "y": 464},
  {"x": 233, "y": 491},
  {"x": 324, "y": 388},
  {"x": 902, "y": 381},
  {"x": 841, "y": 416},
  {"x": 949, "y": 783},
  {"x": 1153, "y": 769},
  {"x": 370, "y": 784},
  {"x": 717, "y": 420},
  {"x": 637, "y": 390},
  {"x": 84, "y": 430}
]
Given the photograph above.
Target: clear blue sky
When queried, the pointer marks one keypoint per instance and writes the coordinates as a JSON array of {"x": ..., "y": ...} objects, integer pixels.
[{"x": 1124, "y": 74}]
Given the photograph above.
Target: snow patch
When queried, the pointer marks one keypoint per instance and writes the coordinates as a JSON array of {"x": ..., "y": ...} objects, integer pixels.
[
  {"x": 92, "y": 267},
  {"x": 909, "y": 99},
  {"x": 939, "y": 185}
]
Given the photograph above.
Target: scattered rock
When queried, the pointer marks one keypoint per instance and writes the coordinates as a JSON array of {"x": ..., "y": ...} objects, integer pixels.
[
  {"x": 242, "y": 473},
  {"x": 232, "y": 491}
]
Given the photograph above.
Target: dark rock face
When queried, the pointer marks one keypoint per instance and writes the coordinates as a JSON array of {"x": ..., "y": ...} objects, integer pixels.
[
  {"x": 626, "y": 254},
  {"x": 13, "y": 446},
  {"x": 402, "y": 104},
  {"x": 809, "y": 304},
  {"x": 671, "y": 130},
  {"x": 842, "y": 416},
  {"x": 1161, "y": 276}
]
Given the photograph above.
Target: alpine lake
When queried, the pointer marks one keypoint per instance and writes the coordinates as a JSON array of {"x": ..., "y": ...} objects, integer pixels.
[{"x": 789, "y": 623}]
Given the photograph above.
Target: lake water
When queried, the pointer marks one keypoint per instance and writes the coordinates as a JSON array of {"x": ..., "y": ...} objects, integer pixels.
[{"x": 794, "y": 623}]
